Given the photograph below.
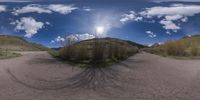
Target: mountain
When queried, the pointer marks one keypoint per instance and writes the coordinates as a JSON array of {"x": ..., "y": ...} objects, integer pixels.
[{"x": 19, "y": 44}]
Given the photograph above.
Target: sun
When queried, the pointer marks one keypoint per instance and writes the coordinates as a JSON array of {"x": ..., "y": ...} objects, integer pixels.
[{"x": 100, "y": 29}]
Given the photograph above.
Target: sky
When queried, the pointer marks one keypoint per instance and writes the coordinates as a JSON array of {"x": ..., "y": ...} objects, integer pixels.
[{"x": 53, "y": 22}]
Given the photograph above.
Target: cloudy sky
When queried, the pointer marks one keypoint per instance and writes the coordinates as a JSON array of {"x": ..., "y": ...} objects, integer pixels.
[{"x": 51, "y": 22}]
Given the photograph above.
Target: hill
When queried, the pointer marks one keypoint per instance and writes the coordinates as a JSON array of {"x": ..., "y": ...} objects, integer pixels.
[
  {"x": 99, "y": 51},
  {"x": 109, "y": 40},
  {"x": 14, "y": 43},
  {"x": 187, "y": 46}
]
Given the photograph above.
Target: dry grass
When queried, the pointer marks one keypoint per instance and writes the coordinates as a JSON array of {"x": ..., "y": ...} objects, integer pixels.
[
  {"x": 186, "y": 47},
  {"x": 4, "y": 54},
  {"x": 19, "y": 44},
  {"x": 175, "y": 48}
]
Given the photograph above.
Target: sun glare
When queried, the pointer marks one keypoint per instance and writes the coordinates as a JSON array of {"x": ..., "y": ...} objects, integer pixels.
[{"x": 100, "y": 29}]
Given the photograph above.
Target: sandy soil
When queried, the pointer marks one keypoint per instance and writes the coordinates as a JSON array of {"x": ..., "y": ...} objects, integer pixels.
[{"x": 38, "y": 76}]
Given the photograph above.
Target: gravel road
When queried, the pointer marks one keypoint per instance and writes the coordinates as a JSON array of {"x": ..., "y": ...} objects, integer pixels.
[{"x": 38, "y": 76}]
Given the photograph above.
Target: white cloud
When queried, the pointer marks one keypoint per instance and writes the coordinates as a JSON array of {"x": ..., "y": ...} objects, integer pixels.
[
  {"x": 62, "y": 9},
  {"x": 169, "y": 25},
  {"x": 185, "y": 19},
  {"x": 85, "y": 36},
  {"x": 150, "y": 45},
  {"x": 36, "y": 8},
  {"x": 73, "y": 38},
  {"x": 32, "y": 8},
  {"x": 80, "y": 37},
  {"x": 170, "y": 15},
  {"x": 87, "y": 9},
  {"x": 29, "y": 25},
  {"x": 131, "y": 16},
  {"x": 60, "y": 39},
  {"x": 151, "y": 34},
  {"x": 52, "y": 41},
  {"x": 2, "y": 8},
  {"x": 183, "y": 10},
  {"x": 48, "y": 23},
  {"x": 173, "y": 17}
]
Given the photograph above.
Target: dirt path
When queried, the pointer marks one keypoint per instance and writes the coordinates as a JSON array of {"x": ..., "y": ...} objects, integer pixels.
[{"x": 38, "y": 76}]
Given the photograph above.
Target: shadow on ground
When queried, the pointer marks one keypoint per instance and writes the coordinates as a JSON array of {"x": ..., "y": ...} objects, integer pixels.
[{"x": 92, "y": 78}]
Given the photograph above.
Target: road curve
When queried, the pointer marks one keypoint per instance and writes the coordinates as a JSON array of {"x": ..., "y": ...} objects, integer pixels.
[{"x": 38, "y": 76}]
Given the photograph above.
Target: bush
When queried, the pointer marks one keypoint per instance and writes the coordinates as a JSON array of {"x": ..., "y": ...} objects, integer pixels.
[
  {"x": 97, "y": 52},
  {"x": 1, "y": 53},
  {"x": 175, "y": 48},
  {"x": 195, "y": 49},
  {"x": 68, "y": 52},
  {"x": 82, "y": 53}
]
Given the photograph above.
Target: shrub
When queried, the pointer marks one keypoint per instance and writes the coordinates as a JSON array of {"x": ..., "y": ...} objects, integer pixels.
[
  {"x": 97, "y": 52},
  {"x": 117, "y": 51},
  {"x": 195, "y": 49},
  {"x": 184, "y": 47},
  {"x": 82, "y": 53},
  {"x": 1, "y": 53},
  {"x": 68, "y": 52},
  {"x": 175, "y": 48}
]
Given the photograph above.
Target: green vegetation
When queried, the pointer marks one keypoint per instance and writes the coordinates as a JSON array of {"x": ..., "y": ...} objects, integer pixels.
[
  {"x": 97, "y": 52},
  {"x": 9, "y": 44},
  {"x": 7, "y": 54},
  {"x": 186, "y": 47},
  {"x": 13, "y": 43},
  {"x": 54, "y": 53}
]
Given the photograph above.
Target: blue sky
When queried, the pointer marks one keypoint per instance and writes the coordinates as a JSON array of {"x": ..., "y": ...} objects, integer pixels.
[{"x": 51, "y": 22}]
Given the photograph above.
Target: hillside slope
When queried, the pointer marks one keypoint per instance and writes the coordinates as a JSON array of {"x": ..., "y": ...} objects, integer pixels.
[
  {"x": 19, "y": 44},
  {"x": 187, "y": 46},
  {"x": 113, "y": 40}
]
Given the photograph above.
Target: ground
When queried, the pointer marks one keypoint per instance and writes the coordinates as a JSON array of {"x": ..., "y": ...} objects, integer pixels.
[{"x": 38, "y": 76}]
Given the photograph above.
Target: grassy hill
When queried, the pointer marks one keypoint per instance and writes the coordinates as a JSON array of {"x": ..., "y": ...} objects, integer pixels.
[
  {"x": 101, "y": 51},
  {"x": 187, "y": 46},
  {"x": 13, "y": 43}
]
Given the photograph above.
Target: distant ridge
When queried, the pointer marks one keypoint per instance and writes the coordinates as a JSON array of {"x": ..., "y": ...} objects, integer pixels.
[{"x": 19, "y": 44}]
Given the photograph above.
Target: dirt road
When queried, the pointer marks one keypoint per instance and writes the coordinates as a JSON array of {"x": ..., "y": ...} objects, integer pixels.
[{"x": 38, "y": 76}]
